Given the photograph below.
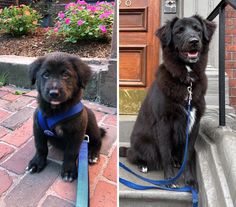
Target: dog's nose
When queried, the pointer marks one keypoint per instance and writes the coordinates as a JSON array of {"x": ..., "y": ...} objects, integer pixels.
[
  {"x": 193, "y": 41},
  {"x": 54, "y": 93}
]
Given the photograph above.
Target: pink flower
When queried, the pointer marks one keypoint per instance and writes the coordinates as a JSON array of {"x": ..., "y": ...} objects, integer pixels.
[
  {"x": 91, "y": 8},
  {"x": 56, "y": 29},
  {"x": 61, "y": 15},
  {"x": 81, "y": 2},
  {"x": 67, "y": 21},
  {"x": 103, "y": 28},
  {"x": 106, "y": 14},
  {"x": 80, "y": 22},
  {"x": 69, "y": 5}
]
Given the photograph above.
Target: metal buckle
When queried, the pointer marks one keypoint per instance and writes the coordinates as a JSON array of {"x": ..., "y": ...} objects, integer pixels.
[
  {"x": 48, "y": 133},
  {"x": 86, "y": 138}
]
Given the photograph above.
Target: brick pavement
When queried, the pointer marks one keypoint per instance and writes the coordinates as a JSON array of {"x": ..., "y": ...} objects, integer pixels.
[{"x": 46, "y": 189}]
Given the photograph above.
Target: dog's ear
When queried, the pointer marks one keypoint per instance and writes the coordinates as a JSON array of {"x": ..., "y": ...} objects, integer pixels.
[
  {"x": 208, "y": 27},
  {"x": 34, "y": 68},
  {"x": 165, "y": 32},
  {"x": 83, "y": 70}
]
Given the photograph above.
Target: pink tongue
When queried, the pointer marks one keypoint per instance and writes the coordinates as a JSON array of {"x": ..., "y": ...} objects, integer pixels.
[{"x": 193, "y": 54}]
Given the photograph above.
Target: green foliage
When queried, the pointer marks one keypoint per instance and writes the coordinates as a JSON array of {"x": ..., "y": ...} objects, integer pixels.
[
  {"x": 3, "y": 79},
  {"x": 19, "y": 20},
  {"x": 82, "y": 21}
]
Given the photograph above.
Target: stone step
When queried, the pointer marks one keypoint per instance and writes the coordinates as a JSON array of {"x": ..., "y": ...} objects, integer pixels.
[{"x": 149, "y": 198}]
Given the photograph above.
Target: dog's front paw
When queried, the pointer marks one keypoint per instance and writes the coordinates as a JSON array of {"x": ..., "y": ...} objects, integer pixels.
[
  {"x": 36, "y": 164},
  {"x": 93, "y": 158},
  {"x": 69, "y": 174}
]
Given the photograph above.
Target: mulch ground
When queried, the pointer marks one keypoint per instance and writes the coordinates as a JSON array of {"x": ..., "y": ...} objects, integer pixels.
[{"x": 39, "y": 44}]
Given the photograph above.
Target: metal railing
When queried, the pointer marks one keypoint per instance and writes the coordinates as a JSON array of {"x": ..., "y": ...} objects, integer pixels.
[{"x": 220, "y": 10}]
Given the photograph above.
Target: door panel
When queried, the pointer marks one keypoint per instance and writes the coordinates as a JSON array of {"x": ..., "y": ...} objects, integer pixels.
[{"x": 139, "y": 49}]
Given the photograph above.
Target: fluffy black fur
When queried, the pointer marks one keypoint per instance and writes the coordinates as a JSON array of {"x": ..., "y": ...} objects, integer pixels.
[
  {"x": 60, "y": 79},
  {"x": 158, "y": 137}
]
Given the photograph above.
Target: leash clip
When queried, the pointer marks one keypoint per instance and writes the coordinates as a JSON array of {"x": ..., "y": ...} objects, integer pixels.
[
  {"x": 86, "y": 138},
  {"x": 190, "y": 93}
]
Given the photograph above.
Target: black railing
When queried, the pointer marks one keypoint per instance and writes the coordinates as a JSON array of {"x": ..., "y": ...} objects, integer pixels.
[{"x": 220, "y": 10}]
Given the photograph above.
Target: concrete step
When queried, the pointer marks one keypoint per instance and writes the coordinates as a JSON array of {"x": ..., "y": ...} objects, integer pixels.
[
  {"x": 101, "y": 87},
  {"x": 149, "y": 198}
]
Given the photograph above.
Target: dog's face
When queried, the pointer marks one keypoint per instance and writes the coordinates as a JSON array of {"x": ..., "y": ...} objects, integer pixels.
[
  {"x": 187, "y": 37},
  {"x": 59, "y": 76}
]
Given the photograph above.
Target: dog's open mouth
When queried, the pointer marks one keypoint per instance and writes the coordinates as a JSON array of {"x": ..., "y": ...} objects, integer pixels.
[
  {"x": 55, "y": 102},
  {"x": 190, "y": 56}
]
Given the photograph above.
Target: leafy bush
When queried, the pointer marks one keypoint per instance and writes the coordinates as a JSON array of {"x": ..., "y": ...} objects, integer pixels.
[
  {"x": 83, "y": 21},
  {"x": 19, "y": 20}
]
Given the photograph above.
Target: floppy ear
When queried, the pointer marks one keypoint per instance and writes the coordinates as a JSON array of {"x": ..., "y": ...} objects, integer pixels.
[
  {"x": 34, "y": 68},
  {"x": 83, "y": 70},
  {"x": 208, "y": 27},
  {"x": 165, "y": 33}
]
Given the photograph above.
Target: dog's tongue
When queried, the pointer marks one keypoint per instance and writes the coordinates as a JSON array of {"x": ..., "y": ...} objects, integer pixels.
[
  {"x": 55, "y": 102},
  {"x": 192, "y": 54}
]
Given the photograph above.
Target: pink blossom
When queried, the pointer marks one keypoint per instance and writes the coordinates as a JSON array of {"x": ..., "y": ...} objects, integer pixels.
[
  {"x": 67, "y": 21},
  {"x": 91, "y": 8},
  {"x": 69, "y": 5},
  {"x": 106, "y": 14},
  {"x": 81, "y": 2},
  {"x": 56, "y": 29},
  {"x": 61, "y": 15},
  {"x": 103, "y": 28},
  {"x": 80, "y": 22}
]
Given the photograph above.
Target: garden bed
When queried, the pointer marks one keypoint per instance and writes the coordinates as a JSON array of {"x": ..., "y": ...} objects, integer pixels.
[{"x": 38, "y": 44}]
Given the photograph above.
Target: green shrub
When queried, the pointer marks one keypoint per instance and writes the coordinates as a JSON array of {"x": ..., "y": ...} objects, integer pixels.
[
  {"x": 83, "y": 21},
  {"x": 19, "y": 20}
]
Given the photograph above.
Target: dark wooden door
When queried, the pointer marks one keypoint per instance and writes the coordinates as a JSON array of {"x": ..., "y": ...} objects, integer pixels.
[{"x": 138, "y": 50}]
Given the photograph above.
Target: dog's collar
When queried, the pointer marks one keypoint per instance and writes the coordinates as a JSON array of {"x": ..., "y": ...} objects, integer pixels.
[{"x": 47, "y": 123}]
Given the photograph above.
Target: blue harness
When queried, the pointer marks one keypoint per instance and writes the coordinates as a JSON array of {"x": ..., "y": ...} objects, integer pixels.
[
  {"x": 47, "y": 124},
  {"x": 161, "y": 184}
]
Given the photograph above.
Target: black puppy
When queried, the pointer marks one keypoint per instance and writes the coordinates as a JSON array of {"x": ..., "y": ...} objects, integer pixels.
[
  {"x": 158, "y": 137},
  {"x": 60, "y": 79}
]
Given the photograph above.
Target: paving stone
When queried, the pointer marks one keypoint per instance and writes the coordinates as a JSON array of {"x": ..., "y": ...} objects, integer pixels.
[
  {"x": 11, "y": 97},
  {"x": 20, "y": 135},
  {"x": 110, "y": 120},
  {"x": 3, "y": 93},
  {"x": 105, "y": 195},
  {"x": 99, "y": 115},
  {"x": 109, "y": 139},
  {"x": 19, "y": 103},
  {"x": 94, "y": 172},
  {"x": 3, "y": 131},
  {"x": 52, "y": 201},
  {"x": 5, "y": 150},
  {"x": 4, "y": 114},
  {"x": 32, "y": 187},
  {"x": 5, "y": 180},
  {"x": 99, "y": 107},
  {"x": 65, "y": 190},
  {"x": 111, "y": 169},
  {"x": 55, "y": 154},
  {"x": 32, "y": 93},
  {"x": 3, "y": 103},
  {"x": 19, "y": 161},
  {"x": 17, "y": 119}
]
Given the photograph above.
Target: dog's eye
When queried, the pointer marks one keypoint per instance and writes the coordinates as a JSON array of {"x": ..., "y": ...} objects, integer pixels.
[
  {"x": 180, "y": 30},
  {"x": 65, "y": 75},
  {"x": 46, "y": 75},
  {"x": 196, "y": 28}
]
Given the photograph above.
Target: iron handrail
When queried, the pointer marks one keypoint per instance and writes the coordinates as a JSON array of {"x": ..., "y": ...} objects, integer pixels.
[{"x": 220, "y": 10}]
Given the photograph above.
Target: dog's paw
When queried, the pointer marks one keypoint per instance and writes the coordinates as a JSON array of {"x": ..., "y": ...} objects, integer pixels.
[
  {"x": 36, "y": 164},
  {"x": 68, "y": 175},
  {"x": 93, "y": 158},
  {"x": 143, "y": 169}
]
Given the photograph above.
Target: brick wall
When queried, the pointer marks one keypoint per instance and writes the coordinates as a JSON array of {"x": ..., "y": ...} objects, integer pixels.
[{"x": 230, "y": 53}]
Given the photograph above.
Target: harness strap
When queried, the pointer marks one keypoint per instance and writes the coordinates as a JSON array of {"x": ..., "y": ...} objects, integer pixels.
[
  {"x": 47, "y": 123},
  {"x": 82, "y": 196}
]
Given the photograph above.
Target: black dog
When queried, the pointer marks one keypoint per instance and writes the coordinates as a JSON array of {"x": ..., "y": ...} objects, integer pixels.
[
  {"x": 60, "y": 78},
  {"x": 158, "y": 137}
]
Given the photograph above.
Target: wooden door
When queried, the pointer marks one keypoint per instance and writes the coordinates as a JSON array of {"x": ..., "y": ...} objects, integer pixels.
[{"x": 138, "y": 49}]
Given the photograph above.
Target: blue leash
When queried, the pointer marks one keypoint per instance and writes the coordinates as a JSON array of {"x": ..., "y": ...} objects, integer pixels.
[
  {"x": 82, "y": 196},
  {"x": 159, "y": 183}
]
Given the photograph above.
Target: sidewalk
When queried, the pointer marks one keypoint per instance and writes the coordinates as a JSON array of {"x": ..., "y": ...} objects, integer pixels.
[{"x": 46, "y": 189}]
